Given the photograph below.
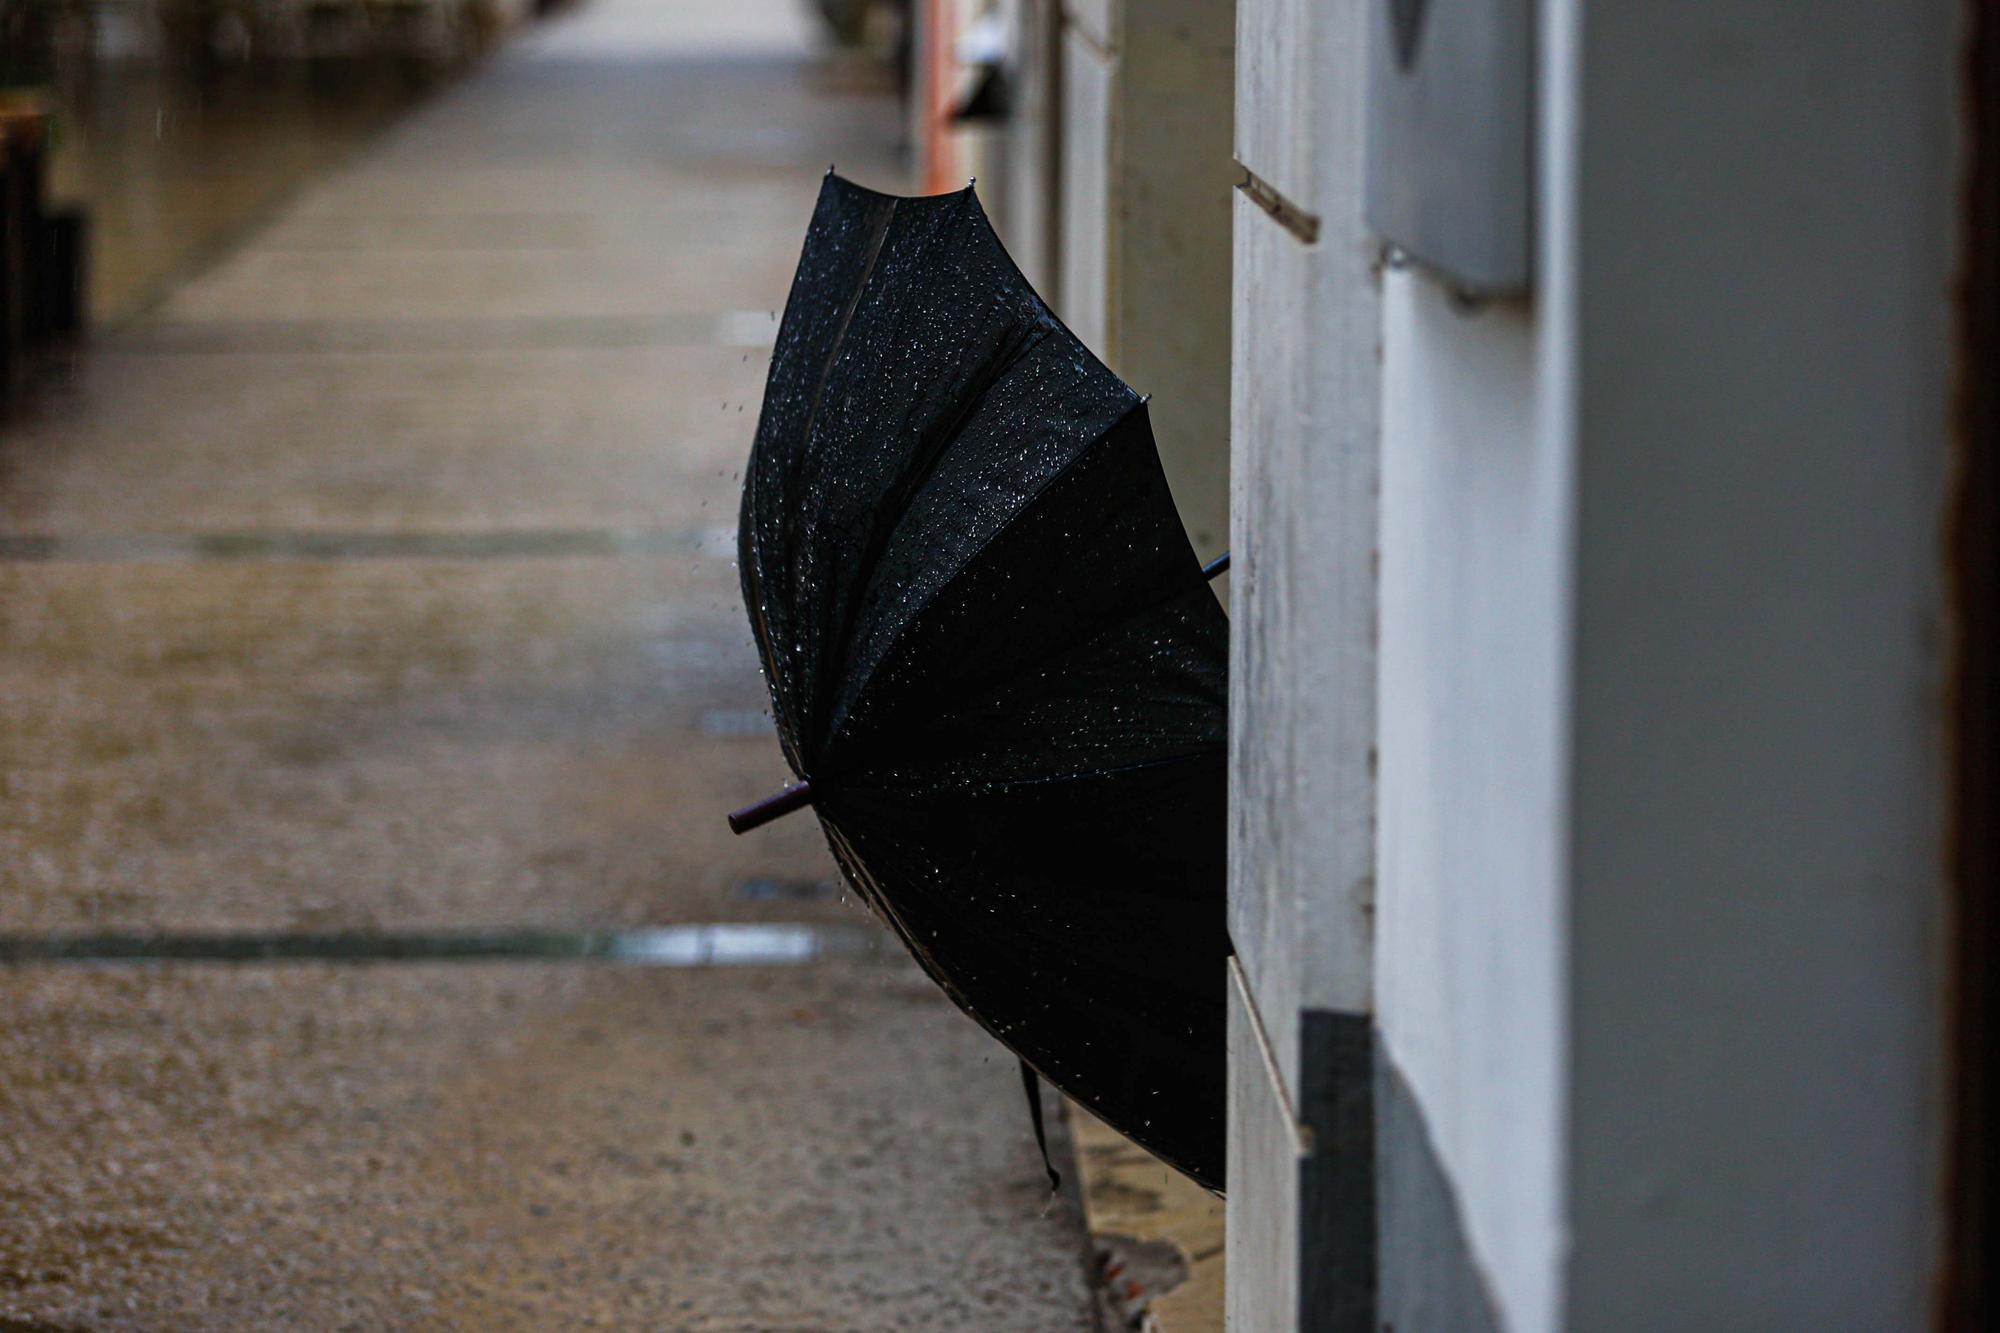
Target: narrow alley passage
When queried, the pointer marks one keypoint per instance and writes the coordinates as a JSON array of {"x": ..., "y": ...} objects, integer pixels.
[{"x": 378, "y": 580}]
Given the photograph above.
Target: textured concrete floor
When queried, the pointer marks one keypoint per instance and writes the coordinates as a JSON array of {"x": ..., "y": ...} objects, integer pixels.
[{"x": 378, "y": 578}]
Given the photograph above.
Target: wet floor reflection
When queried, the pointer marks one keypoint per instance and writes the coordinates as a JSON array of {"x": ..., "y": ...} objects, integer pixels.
[
  {"x": 722, "y": 945},
  {"x": 171, "y": 164}
]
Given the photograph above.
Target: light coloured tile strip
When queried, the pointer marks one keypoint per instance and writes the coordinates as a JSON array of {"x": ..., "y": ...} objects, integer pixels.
[{"x": 712, "y": 945}]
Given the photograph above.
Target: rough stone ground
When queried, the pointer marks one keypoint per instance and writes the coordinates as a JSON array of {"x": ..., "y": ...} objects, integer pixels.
[{"x": 247, "y": 679}]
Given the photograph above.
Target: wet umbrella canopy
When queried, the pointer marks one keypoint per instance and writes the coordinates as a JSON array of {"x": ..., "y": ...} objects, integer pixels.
[{"x": 994, "y": 661}]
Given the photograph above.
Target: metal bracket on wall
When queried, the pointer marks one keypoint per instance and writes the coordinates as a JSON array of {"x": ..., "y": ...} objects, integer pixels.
[
  {"x": 1283, "y": 211},
  {"x": 1450, "y": 167}
]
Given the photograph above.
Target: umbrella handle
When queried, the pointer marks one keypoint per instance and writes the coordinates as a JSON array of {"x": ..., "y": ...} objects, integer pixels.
[{"x": 759, "y": 813}]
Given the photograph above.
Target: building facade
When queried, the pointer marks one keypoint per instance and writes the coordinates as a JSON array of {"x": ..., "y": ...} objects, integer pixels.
[{"x": 1607, "y": 690}]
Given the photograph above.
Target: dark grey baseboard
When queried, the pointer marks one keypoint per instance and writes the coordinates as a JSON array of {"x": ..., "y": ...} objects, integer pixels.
[
  {"x": 1337, "y": 1178},
  {"x": 1382, "y": 1245}
]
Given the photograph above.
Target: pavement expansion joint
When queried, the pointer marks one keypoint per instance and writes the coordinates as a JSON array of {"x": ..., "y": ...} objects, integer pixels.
[
  {"x": 171, "y": 547},
  {"x": 754, "y": 329}
]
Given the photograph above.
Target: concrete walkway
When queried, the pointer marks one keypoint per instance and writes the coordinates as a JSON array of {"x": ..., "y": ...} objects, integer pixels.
[{"x": 379, "y": 580}]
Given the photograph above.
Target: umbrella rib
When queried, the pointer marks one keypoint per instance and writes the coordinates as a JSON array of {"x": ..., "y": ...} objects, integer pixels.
[
  {"x": 896, "y": 505},
  {"x": 797, "y": 461},
  {"x": 1045, "y": 326},
  {"x": 875, "y": 243},
  {"x": 978, "y": 552}
]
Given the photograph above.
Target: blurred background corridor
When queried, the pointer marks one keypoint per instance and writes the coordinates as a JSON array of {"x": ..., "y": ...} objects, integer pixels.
[{"x": 367, "y": 582}]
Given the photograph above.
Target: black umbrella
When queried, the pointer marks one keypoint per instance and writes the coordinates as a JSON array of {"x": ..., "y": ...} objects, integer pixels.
[{"x": 994, "y": 661}]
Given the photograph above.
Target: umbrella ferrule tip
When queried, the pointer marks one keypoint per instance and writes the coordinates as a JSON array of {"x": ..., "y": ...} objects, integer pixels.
[{"x": 759, "y": 813}]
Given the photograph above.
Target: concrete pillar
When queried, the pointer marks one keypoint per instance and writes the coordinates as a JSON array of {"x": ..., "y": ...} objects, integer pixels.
[
  {"x": 1306, "y": 475},
  {"x": 1757, "y": 827},
  {"x": 1030, "y": 226},
  {"x": 1145, "y": 237}
]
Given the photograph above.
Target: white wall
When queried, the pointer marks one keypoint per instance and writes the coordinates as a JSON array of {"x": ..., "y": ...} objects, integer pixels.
[
  {"x": 1477, "y": 574},
  {"x": 1476, "y": 515},
  {"x": 1765, "y": 261}
]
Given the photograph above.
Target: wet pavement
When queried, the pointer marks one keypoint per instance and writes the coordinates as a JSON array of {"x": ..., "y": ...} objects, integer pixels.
[
  {"x": 172, "y": 169},
  {"x": 368, "y": 601}
]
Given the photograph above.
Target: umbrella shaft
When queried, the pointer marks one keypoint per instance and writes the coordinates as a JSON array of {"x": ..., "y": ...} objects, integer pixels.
[{"x": 795, "y": 797}]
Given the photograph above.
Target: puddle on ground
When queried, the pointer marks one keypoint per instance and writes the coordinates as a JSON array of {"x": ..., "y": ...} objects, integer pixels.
[
  {"x": 736, "y": 722},
  {"x": 758, "y": 890}
]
